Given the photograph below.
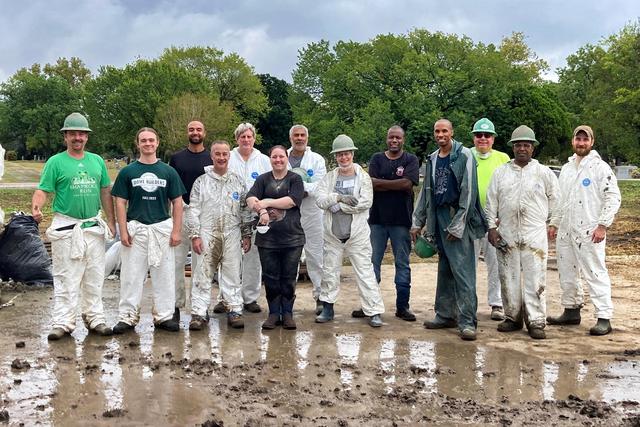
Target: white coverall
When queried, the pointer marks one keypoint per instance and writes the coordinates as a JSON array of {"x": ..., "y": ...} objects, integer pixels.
[
  {"x": 217, "y": 211},
  {"x": 589, "y": 196},
  {"x": 78, "y": 271},
  {"x": 180, "y": 252},
  {"x": 149, "y": 252},
  {"x": 311, "y": 217},
  {"x": 357, "y": 248},
  {"x": 251, "y": 272},
  {"x": 522, "y": 199}
]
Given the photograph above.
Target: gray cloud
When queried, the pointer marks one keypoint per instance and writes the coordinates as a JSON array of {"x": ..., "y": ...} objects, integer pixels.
[{"x": 268, "y": 34}]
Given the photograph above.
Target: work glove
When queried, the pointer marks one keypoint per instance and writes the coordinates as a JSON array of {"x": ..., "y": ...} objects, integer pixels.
[{"x": 348, "y": 200}]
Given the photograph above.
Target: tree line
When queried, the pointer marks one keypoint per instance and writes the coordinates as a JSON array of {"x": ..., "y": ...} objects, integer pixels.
[{"x": 358, "y": 88}]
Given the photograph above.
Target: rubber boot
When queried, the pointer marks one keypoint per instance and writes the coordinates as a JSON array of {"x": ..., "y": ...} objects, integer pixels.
[
  {"x": 570, "y": 316},
  {"x": 327, "y": 313},
  {"x": 602, "y": 327}
]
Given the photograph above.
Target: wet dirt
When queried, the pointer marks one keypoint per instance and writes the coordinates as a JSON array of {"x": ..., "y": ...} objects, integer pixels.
[{"x": 339, "y": 373}]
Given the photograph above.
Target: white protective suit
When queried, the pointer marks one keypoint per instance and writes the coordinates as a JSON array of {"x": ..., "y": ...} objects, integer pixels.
[
  {"x": 357, "y": 248},
  {"x": 180, "y": 252},
  {"x": 589, "y": 196},
  {"x": 149, "y": 252},
  {"x": 251, "y": 273},
  {"x": 311, "y": 217},
  {"x": 78, "y": 271},
  {"x": 522, "y": 199},
  {"x": 216, "y": 214}
]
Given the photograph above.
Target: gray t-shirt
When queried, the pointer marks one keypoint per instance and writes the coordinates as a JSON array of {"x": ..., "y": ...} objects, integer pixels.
[
  {"x": 294, "y": 161},
  {"x": 341, "y": 224}
]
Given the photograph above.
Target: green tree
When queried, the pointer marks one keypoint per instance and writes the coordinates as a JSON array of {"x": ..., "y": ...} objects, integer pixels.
[
  {"x": 274, "y": 126},
  {"x": 172, "y": 118}
]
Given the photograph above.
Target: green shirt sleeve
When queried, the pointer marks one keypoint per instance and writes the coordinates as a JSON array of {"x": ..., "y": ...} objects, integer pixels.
[
  {"x": 120, "y": 187},
  {"x": 105, "y": 181},
  {"x": 47, "y": 178},
  {"x": 176, "y": 187}
]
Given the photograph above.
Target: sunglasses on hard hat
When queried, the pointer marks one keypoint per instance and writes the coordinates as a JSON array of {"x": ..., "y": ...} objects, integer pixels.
[{"x": 482, "y": 135}]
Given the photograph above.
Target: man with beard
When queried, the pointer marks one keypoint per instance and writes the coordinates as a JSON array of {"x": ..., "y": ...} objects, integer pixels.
[
  {"x": 449, "y": 210},
  {"x": 393, "y": 173},
  {"x": 190, "y": 164},
  {"x": 589, "y": 200}
]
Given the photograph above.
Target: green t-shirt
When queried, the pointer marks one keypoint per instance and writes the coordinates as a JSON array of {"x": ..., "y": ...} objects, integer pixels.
[
  {"x": 486, "y": 167},
  {"x": 76, "y": 183},
  {"x": 149, "y": 189}
]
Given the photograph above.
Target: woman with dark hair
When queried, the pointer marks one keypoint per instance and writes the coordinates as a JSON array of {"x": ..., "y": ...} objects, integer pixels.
[{"x": 276, "y": 197}]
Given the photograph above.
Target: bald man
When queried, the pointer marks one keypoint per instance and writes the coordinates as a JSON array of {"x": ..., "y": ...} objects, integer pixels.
[{"x": 190, "y": 164}]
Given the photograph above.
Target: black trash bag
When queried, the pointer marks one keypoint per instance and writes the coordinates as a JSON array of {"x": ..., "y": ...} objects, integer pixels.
[{"x": 23, "y": 256}]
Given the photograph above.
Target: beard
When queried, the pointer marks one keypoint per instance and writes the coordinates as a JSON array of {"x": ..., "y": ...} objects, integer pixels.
[
  {"x": 196, "y": 141},
  {"x": 582, "y": 152}
]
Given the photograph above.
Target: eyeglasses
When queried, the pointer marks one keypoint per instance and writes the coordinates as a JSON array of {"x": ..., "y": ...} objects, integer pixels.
[{"x": 482, "y": 135}]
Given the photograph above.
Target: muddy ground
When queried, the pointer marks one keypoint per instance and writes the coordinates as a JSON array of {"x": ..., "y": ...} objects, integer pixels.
[{"x": 341, "y": 373}]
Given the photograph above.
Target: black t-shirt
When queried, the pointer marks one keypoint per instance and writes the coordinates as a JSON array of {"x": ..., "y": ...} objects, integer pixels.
[
  {"x": 190, "y": 166},
  {"x": 445, "y": 187},
  {"x": 285, "y": 230},
  {"x": 393, "y": 207}
]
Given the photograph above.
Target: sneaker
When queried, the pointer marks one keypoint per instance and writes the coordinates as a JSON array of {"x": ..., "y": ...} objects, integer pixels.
[
  {"x": 602, "y": 327},
  {"x": 197, "y": 323},
  {"x": 509, "y": 326},
  {"x": 176, "y": 314},
  {"x": 319, "y": 307},
  {"x": 497, "y": 313},
  {"x": 537, "y": 333},
  {"x": 122, "y": 327},
  {"x": 406, "y": 314},
  {"x": 220, "y": 307},
  {"x": 235, "y": 320},
  {"x": 375, "y": 321},
  {"x": 169, "y": 325},
  {"x": 468, "y": 334},
  {"x": 358, "y": 314},
  {"x": 252, "y": 307},
  {"x": 56, "y": 334},
  {"x": 436, "y": 324},
  {"x": 102, "y": 329},
  {"x": 288, "y": 322},
  {"x": 270, "y": 323}
]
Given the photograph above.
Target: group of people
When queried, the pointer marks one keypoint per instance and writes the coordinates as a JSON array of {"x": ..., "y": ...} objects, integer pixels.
[{"x": 247, "y": 218}]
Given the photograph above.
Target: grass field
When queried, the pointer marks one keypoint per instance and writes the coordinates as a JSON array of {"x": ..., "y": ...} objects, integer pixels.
[{"x": 29, "y": 171}]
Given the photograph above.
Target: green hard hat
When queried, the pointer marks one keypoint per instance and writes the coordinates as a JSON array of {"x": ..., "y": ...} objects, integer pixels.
[
  {"x": 303, "y": 174},
  {"x": 484, "y": 125},
  {"x": 523, "y": 133},
  {"x": 342, "y": 143},
  {"x": 75, "y": 121},
  {"x": 424, "y": 249}
]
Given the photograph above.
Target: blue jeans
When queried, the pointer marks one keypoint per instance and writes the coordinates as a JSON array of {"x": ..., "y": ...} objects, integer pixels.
[{"x": 401, "y": 247}]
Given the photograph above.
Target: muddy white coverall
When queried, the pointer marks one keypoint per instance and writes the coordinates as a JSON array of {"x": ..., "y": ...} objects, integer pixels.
[
  {"x": 78, "y": 270},
  {"x": 357, "y": 247},
  {"x": 149, "y": 252},
  {"x": 589, "y": 196},
  {"x": 216, "y": 214},
  {"x": 311, "y": 217},
  {"x": 251, "y": 272},
  {"x": 523, "y": 200}
]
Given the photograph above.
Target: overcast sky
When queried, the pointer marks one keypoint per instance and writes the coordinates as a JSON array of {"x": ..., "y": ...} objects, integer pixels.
[{"x": 268, "y": 34}]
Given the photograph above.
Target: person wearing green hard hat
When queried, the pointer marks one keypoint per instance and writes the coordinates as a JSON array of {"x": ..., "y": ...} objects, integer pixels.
[
  {"x": 522, "y": 195},
  {"x": 590, "y": 201},
  {"x": 345, "y": 195},
  {"x": 489, "y": 160},
  {"x": 80, "y": 184},
  {"x": 312, "y": 168},
  {"x": 449, "y": 211}
]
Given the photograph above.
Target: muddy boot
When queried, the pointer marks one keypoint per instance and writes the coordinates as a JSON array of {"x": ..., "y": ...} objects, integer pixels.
[
  {"x": 406, "y": 314},
  {"x": 468, "y": 334},
  {"x": 327, "y": 313},
  {"x": 509, "y": 326},
  {"x": 375, "y": 321},
  {"x": 235, "y": 320},
  {"x": 56, "y": 334},
  {"x": 252, "y": 307},
  {"x": 288, "y": 322},
  {"x": 169, "y": 325},
  {"x": 497, "y": 313},
  {"x": 438, "y": 323},
  {"x": 319, "y": 307},
  {"x": 220, "y": 308},
  {"x": 176, "y": 314},
  {"x": 271, "y": 321},
  {"x": 358, "y": 314},
  {"x": 122, "y": 327},
  {"x": 602, "y": 327},
  {"x": 537, "y": 333},
  {"x": 102, "y": 330},
  {"x": 570, "y": 316},
  {"x": 197, "y": 323}
]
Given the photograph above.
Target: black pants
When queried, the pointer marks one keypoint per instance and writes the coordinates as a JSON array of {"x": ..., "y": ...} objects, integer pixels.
[{"x": 279, "y": 271}]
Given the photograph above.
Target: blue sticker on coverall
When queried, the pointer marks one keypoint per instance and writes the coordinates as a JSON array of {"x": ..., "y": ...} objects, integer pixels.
[
  {"x": 235, "y": 195},
  {"x": 310, "y": 172},
  {"x": 586, "y": 182},
  {"x": 254, "y": 175}
]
